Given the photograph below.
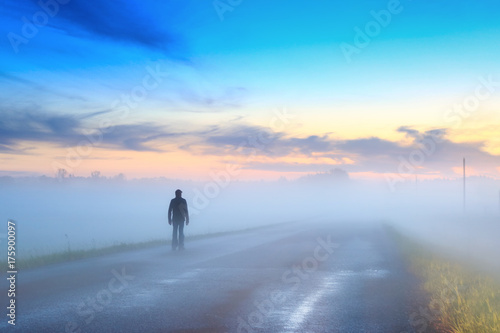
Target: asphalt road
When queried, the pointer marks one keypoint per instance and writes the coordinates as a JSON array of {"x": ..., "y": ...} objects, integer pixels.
[{"x": 297, "y": 277}]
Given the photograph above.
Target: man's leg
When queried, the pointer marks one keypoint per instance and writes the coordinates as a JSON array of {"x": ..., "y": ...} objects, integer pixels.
[
  {"x": 174, "y": 235},
  {"x": 181, "y": 235}
]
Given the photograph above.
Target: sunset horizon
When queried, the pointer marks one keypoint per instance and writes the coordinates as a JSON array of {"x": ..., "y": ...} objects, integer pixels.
[
  {"x": 250, "y": 166},
  {"x": 185, "y": 90}
]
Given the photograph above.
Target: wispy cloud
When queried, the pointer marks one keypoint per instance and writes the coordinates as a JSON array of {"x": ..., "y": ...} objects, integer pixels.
[
  {"x": 371, "y": 147},
  {"x": 68, "y": 130},
  {"x": 200, "y": 102},
  {"x": 262, "y": 141},
  {"x": 26, "y": 83},
  {"x": 135, "y": 137},
  {"x": 7, "y": 149},
  {"x": 199, "y": 95},
  {"x": 122, "y": 21},
  {"x": 16, "y": 127},
  {"x": 273, "y": 150},
  {"x": 357, "y": 155},
  {"x": 119, "y": 20}
]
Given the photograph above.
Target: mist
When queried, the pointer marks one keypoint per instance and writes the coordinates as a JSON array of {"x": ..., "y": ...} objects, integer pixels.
[{"x": 60, "y": 214}]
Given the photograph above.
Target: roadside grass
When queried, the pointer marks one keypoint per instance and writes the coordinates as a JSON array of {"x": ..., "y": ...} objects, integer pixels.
[
  {"x": 461, "y": 299},
  {"x": 71, "y": 255}
]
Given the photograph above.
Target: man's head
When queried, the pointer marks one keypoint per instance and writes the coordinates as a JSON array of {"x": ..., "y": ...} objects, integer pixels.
[{"x": 178, "y": 193}]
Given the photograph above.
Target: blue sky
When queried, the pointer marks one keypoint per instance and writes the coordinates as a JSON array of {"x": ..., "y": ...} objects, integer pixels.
[{"x": 221, "y": 76}]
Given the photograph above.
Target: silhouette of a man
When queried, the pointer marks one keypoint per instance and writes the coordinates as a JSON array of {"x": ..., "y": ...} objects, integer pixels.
[{"x": 177, "y": 214}]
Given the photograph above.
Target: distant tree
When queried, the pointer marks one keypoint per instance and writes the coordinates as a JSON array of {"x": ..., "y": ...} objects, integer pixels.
[
  {"x": 119, "y": 177},
  {"x": 6, "y": 180},
  {"x": 95, "y": 175},
  {"x": 339, "y": 174},
  {"x": 334, "y": 175},
  {"x": 61, "y": 174}
]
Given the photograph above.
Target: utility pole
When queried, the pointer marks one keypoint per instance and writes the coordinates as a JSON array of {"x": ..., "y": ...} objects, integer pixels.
[
  {"x": 464, "y": 185},
  {"x": 416, "y": 183}
]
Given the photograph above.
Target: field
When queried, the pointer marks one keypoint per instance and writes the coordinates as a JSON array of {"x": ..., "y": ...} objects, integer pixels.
[{"x": 461, "y": 298}]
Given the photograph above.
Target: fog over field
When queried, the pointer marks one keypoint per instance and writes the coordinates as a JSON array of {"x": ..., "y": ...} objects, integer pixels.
[
  {"x": 343, "y": 156},
  {"x": 80, "y": 213}
]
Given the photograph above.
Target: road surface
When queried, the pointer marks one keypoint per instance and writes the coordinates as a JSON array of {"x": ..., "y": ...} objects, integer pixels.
[{"x": 296, "y": 277}]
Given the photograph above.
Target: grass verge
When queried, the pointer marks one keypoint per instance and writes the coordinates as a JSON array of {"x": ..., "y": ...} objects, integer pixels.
[
  {"x": 461, "y": 299},
  {"x": 70, "y": 255}
]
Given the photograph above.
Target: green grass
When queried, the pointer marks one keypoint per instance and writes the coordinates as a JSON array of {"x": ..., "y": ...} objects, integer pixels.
[
  {"x": 70, "y": 255},
  {"x": 464, "y": 299}
]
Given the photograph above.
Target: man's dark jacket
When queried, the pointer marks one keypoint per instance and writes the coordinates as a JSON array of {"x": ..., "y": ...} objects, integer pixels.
[{"x": 178, "y": 206}]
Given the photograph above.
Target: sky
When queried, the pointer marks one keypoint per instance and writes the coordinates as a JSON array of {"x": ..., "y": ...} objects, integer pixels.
[{"x": 192, "y": 89}]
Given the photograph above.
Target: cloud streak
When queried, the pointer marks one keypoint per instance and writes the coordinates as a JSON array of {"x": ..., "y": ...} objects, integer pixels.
[
  {"x": 38, "y": 87},
  {"x": 356, "y": 155},
  {"x": 117, "y": 20},
  {"x": 257, "y": 146},
  {"x": 123, "y": 21},
  {"x": 70, "y": 131}
]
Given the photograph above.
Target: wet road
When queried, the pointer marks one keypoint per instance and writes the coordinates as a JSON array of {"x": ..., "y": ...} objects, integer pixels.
[{"x": 297, "y": 277}]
